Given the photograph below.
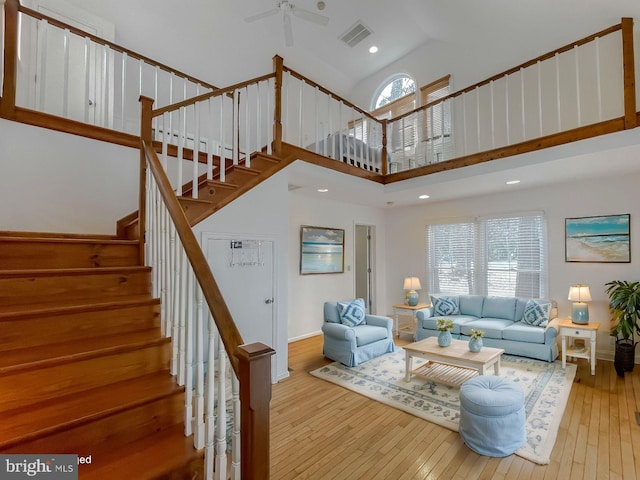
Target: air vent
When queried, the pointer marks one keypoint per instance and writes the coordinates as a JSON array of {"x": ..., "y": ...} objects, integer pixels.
[
  {"x": 293, "y": 187},
  {"x": 356, "y": 34}
]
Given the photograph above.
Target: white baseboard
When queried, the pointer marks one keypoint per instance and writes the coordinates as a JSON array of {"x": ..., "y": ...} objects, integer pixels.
[{"x": 308, "y": 335}]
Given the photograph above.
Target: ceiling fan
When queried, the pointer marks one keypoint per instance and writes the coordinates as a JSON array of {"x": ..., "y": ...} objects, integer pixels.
[{"x": 286, "y": 8}]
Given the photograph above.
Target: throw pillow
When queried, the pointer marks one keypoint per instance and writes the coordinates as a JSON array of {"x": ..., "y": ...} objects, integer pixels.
[
  {"x": 445, "y": 306},
  {"x": 352, "y": 313},
  {"x": 536, "y": 313}
]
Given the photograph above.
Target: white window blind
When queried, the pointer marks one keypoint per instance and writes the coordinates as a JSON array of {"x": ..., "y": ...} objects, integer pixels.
[{"x": 500, "y": 256}]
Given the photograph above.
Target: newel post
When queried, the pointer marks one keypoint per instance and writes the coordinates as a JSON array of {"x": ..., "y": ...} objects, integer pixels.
[
  {"x": 277, "y": 108},
  {"x": 384, "y": 148},
  {"x": 628, "y": 66},
  {"x": 146, "y": 106},
  {"x": 9, "y": 74},
  {"x": 254, "y": 361}
]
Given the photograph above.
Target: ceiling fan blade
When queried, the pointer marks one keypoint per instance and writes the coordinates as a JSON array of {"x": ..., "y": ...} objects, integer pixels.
[
  {"x": 310, "y": 16},
  {"x": 259, "y": 16},
  {"x": 288, "y": 30}
]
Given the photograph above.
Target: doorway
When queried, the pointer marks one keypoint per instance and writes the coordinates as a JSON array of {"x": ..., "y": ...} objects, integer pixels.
[
  {"x": 364, "y": 270},
  {"x": 244, "y": 270}
]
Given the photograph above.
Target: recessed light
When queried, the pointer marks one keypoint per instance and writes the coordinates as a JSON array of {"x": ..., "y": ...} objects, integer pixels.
[
  {"x": 512, "y": 182},
  {"x": 373, "y": 49},
  {"x": 423, "y": 197},
  {"x": 323, "y": 190}
]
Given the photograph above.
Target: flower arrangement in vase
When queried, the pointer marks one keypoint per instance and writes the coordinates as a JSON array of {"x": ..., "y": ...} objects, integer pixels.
[
  {"x": 475, "y": 340},
  {"x": 445, "y": 325}
]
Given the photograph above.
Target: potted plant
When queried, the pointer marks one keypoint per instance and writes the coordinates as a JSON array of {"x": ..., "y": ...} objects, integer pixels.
[
  {"x": 475, "y": 340},
  {"x": 445, "y": 325},
  {"x": 624, "y": 304}
]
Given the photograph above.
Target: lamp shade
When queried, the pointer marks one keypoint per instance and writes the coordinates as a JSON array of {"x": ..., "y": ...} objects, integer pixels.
[
  {"x": 579, "y": 293},
  {"x": 412, "y": 283}
]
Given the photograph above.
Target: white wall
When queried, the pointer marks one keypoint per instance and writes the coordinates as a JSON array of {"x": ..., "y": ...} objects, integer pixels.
[
  {"x": 263, "y": 211},
  {"x": 56, "y": 182},
  {"x": 307, "y": 293},
  {"x": 604, "y": 196}
]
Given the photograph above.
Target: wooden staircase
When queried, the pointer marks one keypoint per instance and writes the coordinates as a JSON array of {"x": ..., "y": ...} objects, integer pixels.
[
  {"x": 214, "y": 194},
  {"x": 84, "y": 367}
]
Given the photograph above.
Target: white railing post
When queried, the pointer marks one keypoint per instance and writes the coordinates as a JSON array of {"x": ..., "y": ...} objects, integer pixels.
[
  {"x": 199, "y": 430},
  {"x": 221, "y": 417}
]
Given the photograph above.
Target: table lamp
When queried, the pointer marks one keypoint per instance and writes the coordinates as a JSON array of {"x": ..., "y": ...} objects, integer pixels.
[
  {"x": 579, "y": 295},
  {"x": 411, "y": 284}
]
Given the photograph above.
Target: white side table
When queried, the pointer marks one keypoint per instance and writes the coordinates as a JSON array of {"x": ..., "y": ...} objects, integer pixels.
[
  {"x": 402, "y": 308},
  {"x": 576, "y": 330}
]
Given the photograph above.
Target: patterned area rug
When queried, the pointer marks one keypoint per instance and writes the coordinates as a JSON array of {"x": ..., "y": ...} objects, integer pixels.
[{"x": 546, "y": 387}]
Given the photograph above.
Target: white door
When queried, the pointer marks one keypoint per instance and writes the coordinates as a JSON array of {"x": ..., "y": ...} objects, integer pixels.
[{"x": 244, "y": 270}]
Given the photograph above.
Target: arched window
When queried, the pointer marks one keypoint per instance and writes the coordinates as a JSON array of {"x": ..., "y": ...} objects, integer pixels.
[{"x": 395, "y": 96}]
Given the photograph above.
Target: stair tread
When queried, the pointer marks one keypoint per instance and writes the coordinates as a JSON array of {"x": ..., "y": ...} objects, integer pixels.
[
  {"x": 51, "y": 272},
  {"x": 27, "y": 423},
  {"x": 144, "y": 459},
  {"x": 82, "y": 236},
  {"x": 70, "y": 306},
  {"x": 45, "y": 355},
  {"x": 101, "y": 241}
]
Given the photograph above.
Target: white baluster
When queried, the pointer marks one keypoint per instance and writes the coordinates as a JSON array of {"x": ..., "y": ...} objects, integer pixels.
[
  {"x": 598, "y": 80},
  {"x": 235, "y": 125},
  {"x": 182, "y": 134},
  {"x": 166, "y": 306},
  {"x": 221, "y": 417},
  {"x": 43, "y": 26},
  {"x": 166, "y": 134},
  {"x": 258, "y": 117},
  {"x": 493, "y": 118},
  {"x": 329, "y": 149},
  {"x": 300, "y": 114},
  {"x": 557, "y": 63},
  {"x": 223, "y": 153},
  {"x": 123, "y": 90},
  {"x": 478, "y": 122},
  {"x": 209, "y": 452},
  {"x": 156, "y": 72},
  {"x": 235, "y": 442},
  {"x": 171, "y": 75},
  {"x": 87, "y": 77},
  {"x": 196, "y": 150},
  {"x": 465, "y": 146},
  {"x": 106, "y": 117},
  {"x": 183, "y": 301},
  {"x": 199, "y": 428},
  {"x": 189, "y": 333},
  {"x": 270, "y": 113},
  {"x": 247, "y": 143},
  {"x": 175, "y": 292},
  {"x": 506, "y": 103},
  {"x": 317, "y": 119},
  {"x": 65, "y": 74},
  {"x": 340, "y": 142},
  {"x": 578, "y": 102},
  {"x": 210, "y": 141},
  {"x": 524, "y": 125},
  {"x": 540, "y": 96}
]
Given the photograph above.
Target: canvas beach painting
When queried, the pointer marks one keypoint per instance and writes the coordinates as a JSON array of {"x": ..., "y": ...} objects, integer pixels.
[
  {"x": 598, "y": 239},
  {"x": 321, "y": 250}
]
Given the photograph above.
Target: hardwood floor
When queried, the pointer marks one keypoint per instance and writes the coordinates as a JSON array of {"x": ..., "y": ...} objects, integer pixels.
[{"x": 322, "y": 431}]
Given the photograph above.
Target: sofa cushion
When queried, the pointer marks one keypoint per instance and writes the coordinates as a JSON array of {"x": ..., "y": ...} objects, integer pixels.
[
  {"x": 331, "y": 314},
  {"x": 445, "y": 305},
  {"x": 352, "y": 313},
  {"x": 499, "y": 307},
  {"x": 536, "y": 313},
  {"x": 366, "y": 334},
  {"x": 471, "y": 305},
  {"x": 520, "y": 304},
  {"x": 522, "y": 332},
  {"x": 431, "y": 323},
  {"x": 492, "y": 327}
]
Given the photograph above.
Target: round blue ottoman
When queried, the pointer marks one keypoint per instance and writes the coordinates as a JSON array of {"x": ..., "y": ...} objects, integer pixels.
[{"x": 492, "y": 415}]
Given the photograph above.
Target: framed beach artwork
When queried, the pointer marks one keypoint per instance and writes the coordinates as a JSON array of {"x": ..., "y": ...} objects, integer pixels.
[
  {"x": 321, "y": 250},
  {"x": 598, "y": 239}
]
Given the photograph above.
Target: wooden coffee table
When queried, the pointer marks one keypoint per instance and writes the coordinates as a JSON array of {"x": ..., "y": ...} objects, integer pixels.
[{"x": 451, "y": 365}]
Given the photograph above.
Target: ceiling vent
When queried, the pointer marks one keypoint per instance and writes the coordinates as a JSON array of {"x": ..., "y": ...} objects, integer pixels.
[
  {"x": 293, "y": 187},
  {"x": 356, "y": 34}
]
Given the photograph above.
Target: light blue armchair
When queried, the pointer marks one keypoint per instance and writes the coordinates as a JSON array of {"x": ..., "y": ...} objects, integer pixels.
[{"x": 354, "y": 345}]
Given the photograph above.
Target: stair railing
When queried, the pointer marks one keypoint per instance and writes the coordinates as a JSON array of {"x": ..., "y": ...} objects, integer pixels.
[
  {"x": 579, "y": 88},
  {"x": 218, "y": 129},
  {"x": 202, "y": 329}
]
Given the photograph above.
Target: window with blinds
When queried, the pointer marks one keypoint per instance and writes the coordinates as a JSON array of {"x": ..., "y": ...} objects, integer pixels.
[{"x": 500, "y": 256}]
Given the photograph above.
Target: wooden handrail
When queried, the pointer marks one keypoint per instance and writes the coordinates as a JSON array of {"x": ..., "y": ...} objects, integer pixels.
[
  {"x": 37, "y": 15},
  {"x": 205, "y": 96},
  {"x": 224, "y": 321},
  {"x": 512, "y": 70},
  {"x": 299, "y": 76},
  {"x": 629, "y": 74}
]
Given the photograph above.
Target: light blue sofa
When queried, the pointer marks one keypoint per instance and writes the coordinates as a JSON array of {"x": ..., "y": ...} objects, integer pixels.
[
  {"x": 354, "y": 345},
  {"x": 501, "y": 319}
]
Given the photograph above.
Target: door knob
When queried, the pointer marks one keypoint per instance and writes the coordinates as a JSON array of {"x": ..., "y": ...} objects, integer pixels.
[{"x": 268, "y": 300}]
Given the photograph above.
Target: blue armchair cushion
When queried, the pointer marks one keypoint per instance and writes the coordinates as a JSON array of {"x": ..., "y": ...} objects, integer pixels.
[
  {"x": 445, "y": 305},
  {"x": 536, "y": 313},
  {"x": 352, "y": 313}
]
